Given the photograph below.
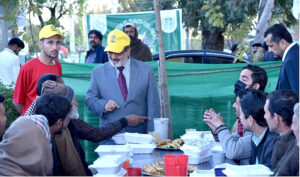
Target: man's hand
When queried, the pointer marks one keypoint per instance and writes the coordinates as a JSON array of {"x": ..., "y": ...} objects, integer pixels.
[
  {"x": 134, "y": 120},
  {"x": 111, "y": 105},
  {"x": 213, "y": 119}
]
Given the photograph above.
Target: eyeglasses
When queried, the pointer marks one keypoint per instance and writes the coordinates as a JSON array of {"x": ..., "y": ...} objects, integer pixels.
[{"x": 129, "y": 32}]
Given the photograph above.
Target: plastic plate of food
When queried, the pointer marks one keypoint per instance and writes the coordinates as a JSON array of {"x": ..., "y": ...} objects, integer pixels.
[
  {"x": 169, "y": 144},
  {"x": 158, "y": 169},
  {"x": 154, "y": 169}
]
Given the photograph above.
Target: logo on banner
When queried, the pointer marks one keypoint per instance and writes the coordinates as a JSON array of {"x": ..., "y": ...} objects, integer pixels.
[
  {"x": 146, "y": 30},
  {"x": 169, "y": 22}
]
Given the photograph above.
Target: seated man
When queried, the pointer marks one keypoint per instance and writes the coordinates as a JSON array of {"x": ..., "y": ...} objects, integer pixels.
[
  {"x": 237, "y": 145},
  {"x": 252, "y": 118},
  {"x": 286, "y": 167},
  {"x": 25, "y": 149},
  {"x": 279, "y": 116},
  {"x": 77, "y": 129},
  {"x": 2, "y": 116}
]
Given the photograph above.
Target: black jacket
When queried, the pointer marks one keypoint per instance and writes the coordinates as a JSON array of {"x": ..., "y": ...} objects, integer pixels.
[{"x": 264, "y": 149}]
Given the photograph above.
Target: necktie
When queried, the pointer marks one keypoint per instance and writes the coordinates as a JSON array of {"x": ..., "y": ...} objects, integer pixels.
[{"x": 122, "y": 82}]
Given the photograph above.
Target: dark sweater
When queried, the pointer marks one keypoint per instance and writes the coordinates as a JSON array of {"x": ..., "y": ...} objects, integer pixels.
[
  {"x": 284, "y": 147},
  {"x": 264, "y": 149}
]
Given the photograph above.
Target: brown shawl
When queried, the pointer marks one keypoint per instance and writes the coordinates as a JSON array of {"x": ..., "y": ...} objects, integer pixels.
[
  {"x": 68, "y": 156},
  {"x": 25, "y": 150}
]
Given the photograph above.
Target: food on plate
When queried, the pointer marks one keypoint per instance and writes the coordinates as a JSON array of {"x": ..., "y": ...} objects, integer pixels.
[
  {"x": 164, "y": 142},
  {"x": 168, "y": 144},
  {"x": 191, "y": 169},
  {"x": 158, "y": 168},
  {"x": 155, "y": 168}
]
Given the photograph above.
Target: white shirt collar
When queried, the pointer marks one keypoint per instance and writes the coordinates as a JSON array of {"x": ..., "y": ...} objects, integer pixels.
[
  {"x": 9, "y": 50},
  {"x": 287, "y": 50}
]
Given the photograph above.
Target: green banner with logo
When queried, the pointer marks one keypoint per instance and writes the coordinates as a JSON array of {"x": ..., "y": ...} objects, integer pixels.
[{"x": 145, "y": 22}]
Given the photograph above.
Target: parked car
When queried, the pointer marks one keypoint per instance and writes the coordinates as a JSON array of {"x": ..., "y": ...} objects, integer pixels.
[{"x": 199, "y": 56}]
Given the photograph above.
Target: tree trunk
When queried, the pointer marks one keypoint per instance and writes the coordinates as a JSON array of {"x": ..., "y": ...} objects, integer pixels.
[
  {"x": 264, "y": 22},
  {"x": 212, "y": 39},
  {"x": 262, "y": 5},
  {"x": 162, "y": 73}
]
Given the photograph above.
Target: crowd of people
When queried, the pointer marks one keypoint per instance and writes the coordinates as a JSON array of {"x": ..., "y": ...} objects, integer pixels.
[
  {"x": 45, "y": 139},
  {"x": 139, "y": 50},
  {"x": 267, "y": 127}
]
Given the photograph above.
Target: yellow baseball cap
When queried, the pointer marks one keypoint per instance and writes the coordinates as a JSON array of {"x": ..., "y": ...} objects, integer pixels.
[
  {"x": 116, "y": 41},
  {"x": 48, "y": 31}
]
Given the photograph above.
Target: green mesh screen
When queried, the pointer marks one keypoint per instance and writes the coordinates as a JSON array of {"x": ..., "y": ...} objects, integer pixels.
[{"x": 193, "y": 88}]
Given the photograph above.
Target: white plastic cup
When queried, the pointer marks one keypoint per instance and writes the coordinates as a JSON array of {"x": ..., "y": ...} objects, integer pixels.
[
  {"x": 218, "y": 154},
  {"x": 161, "y": 125},
  {"x": 218, "y": 157}
]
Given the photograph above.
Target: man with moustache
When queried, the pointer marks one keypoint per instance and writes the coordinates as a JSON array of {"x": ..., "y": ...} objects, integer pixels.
[
  {"x": 139, "y": 50},
  {"x": 96, "y": 54},
  {"x": 25, "y": 89},
  {"x": 123, "y": 86}
]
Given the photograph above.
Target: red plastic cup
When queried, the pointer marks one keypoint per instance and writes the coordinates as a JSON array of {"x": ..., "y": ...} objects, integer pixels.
[
  {"x": 183, "y": 159},
  {"x": 183, "y": 164},
  {"x": 133, "y": 171},
  {"x": 170, "y": 165}
]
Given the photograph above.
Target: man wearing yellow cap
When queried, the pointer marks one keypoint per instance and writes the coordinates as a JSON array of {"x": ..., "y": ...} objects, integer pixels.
[
  {"x": 25, "y": 90},
  {"x": 123, "y": 86}
]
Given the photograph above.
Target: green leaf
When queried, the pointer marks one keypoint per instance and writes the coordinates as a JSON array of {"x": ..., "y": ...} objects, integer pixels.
[
  {"x": 207, "y": 13},
  {"x": 15, "y": 30},
  {"x": 13, "y": 12},
  {"x": 26, "y": 37},
  {"x": 210, "y": 20},
  {"x": 205, "y": 7},
  {"x": 20, "y": 33},
  {"x": 11, "y": 27},
  {"x": 218, "y": 7},
  {"x": 220, "y": 14}
]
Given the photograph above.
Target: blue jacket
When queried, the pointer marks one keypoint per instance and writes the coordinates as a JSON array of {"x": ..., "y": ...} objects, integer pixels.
[
  {"x": 289, "y": 74},
  {"x": 101, "y": 55}
]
